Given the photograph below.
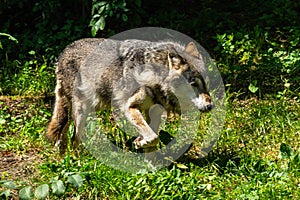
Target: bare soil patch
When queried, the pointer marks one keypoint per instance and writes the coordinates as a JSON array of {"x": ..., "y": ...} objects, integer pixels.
[{"x": 15, "y": 164}]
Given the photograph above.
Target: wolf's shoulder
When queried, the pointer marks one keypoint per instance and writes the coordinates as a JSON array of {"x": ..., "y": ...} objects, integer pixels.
[
  {"x": 133, "y": 44},
  {"x": 142, "y": 50}
]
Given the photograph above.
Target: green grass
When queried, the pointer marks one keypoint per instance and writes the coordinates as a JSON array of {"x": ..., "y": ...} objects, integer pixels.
[{"x": 256, "y": 157}]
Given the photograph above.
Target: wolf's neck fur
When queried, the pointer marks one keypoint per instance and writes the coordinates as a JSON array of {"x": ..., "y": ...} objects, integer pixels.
[{"x": 144, "y": 52}]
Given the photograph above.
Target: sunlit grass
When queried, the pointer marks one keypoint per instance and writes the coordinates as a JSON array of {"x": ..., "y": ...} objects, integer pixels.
[{"x": 246, "y": 163}]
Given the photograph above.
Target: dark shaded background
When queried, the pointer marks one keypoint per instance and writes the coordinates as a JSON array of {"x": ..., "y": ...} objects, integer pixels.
[{"x": 46, "y": 27}]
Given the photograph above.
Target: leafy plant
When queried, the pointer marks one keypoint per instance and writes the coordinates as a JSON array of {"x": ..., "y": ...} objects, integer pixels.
[
  {"x": 103, "y": 9},
  {"x": 34, "y": 77},
  {"x": 246, "y": 60},
  {"x": 26, "y": 193},
  {"x": 42, "y": 191},
  {"x": 9, "y": 37},
  {"x": 58, "y": 187}
]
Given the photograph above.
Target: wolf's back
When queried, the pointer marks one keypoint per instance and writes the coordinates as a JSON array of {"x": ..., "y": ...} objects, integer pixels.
[{"x": 70, "y": 61}]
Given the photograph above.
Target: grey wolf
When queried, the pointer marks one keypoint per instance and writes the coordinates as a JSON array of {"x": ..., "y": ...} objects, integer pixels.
[{"x": 139, "y": 78}]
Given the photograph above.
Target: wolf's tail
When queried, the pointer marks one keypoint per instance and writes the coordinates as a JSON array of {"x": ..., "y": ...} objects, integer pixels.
[{"x": 58, "y": 126}]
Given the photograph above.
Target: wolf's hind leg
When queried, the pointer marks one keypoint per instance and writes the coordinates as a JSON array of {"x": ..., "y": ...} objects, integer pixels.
[{"x": 80, "y": 113}]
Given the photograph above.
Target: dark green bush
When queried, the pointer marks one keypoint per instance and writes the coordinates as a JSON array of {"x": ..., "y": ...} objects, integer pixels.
[{"x": 246, "y": 38}]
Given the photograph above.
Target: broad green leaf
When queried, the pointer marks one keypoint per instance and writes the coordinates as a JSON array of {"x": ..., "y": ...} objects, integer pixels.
[
  {"x": 181, "y": 166},
  {"x": 252, "y": 87},
  {"x": 31, "y": 52},
  {"x": 94, "y": 31},
  {"x": 42, "y": 191},
  {"x": 58, "y": 188},
  {"x": 26, "y": 193},
  {"x": 102, "y": 23},
  {"x": 9, "y": 37},
  {"x": 97, "y": 25},
  {"x": 124, "y": 18},
  {"x": 8, "y": 184},
  {"x": 101, "y": 7},
  {"x": 95, "y": 17},
  {"x": 76, "y": 180},
  {"x": 5, "y": 194}
]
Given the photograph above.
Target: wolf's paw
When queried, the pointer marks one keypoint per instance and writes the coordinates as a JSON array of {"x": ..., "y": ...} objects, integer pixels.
[{"x": 140, "y": 142}]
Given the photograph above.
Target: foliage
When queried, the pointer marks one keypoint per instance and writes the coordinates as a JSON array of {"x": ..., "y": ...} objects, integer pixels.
[
  {"x": 266, "y": 41},
  {"x": 42, "y": 191},
  {"x": 33, "y": 77},
  {"x": 251, "y": 58},
  {"x": 9, "y": 37},
  {"x": 257, "y": 157},
  {"x": 102, "y": 9},
  {"x": 115, "y": 12}
]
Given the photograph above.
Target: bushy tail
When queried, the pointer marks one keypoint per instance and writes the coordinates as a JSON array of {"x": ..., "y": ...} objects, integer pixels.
[{"x": 58, "y": 126}]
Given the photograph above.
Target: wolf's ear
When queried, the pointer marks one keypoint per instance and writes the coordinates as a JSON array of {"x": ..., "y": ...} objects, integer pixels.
[{"x": 192, "y": 49}]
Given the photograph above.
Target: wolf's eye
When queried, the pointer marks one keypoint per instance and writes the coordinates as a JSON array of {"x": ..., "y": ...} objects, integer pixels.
[
  {"x": 183, "y": 61},
  {"x": 194, "y": 83},
  {"x": 197, "y": 83}
]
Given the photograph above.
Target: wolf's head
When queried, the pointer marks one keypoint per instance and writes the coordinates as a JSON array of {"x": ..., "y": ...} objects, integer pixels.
[
  {"x": 185, "y": 62},
  {"x": 190, "y": 64}
]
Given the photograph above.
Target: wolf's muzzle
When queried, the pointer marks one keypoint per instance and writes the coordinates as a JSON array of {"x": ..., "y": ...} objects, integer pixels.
[{"x": 210, "y": 106}]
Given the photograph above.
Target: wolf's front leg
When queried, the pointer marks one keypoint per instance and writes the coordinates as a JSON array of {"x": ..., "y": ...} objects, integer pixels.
[
  {"x": 153, "y": 119},
  {"x": 140, "y": 101},
  {"x": 154, "y": 116},
  {"x": 148, "y": 137}
]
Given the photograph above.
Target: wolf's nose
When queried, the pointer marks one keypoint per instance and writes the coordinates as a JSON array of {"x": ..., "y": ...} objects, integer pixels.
[{"x": 209, "y": 106}]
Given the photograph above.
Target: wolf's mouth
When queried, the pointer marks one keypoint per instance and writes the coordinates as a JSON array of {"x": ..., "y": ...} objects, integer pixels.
[
  {"x": 203, "y": 105},
  {"x": 209, "y": 107},
  {"x": 206, "y": 108}
]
